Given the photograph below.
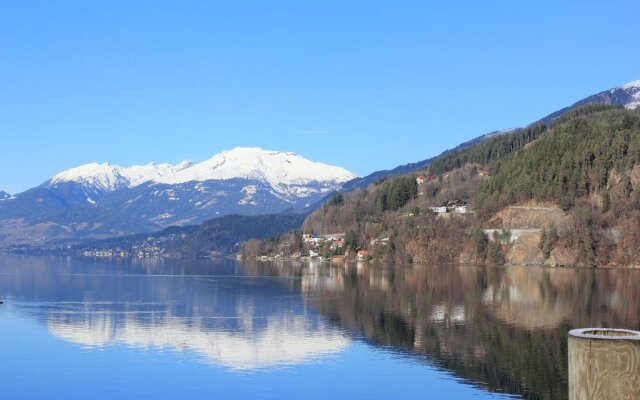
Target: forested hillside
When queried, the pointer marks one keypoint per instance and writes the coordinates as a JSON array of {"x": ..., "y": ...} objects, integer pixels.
[
  {"x": 490, "y": 150},
  {"x": 585, "y": 163},
  {"x": 218, "y": 236},
  {"x": 583, "y": 155},
  {"x": 225, "y": 234}
]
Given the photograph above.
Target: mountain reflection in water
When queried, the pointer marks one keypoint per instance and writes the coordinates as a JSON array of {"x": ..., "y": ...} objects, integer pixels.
[
  {"x": 230, "y": 319},
  {"x": 502, "y": 328}
]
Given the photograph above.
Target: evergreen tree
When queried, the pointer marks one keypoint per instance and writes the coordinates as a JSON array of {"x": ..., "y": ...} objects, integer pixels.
[
  {"x": 481, "y": 241},
  {"x": 606, "y": 202}
]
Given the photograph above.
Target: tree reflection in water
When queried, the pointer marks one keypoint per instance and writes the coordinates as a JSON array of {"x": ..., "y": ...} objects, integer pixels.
[{"x": 502, "y": 328}]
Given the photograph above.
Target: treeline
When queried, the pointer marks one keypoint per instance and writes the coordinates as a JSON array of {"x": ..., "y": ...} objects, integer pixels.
[
  {"x": 397, "y": 192},
  {"x": 589, "y": 151},
  {"x": 389, "y": 218},
  {"x": 587, "y": 162},
  {"x": 224, "y": 234},
  {"x": 495, "y": 149},
  {"x": 461, "y": 183},
  {"x": 488, "y": 151},
  {"x": 357, "y": 210}
]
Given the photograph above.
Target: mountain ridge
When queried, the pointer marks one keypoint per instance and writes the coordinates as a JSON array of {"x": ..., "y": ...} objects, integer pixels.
[
  {"x": 626, "y": 95},
  {"x": 278, "y": 168},
  {"x": 77, "y": 202},
  {"x": 96, "y": 200},
  {"x": 565, "y": 194}
]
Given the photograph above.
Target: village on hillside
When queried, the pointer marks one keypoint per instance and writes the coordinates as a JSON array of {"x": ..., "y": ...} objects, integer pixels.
[{"x": 338, "y": 247}]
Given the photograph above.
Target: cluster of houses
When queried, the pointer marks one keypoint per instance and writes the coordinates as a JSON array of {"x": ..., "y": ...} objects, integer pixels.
[
  {"x": 146, "y": 247},
  {"x": 335, "y": 241},
  {"x": 453, "y": 206},
  {"x": 422, "y": 179},
  {"x": 106, "y": 253},
  {"x": 362, "y": 255},
  {"x": 456, "y": 206},
  {"x": 317, "y": 243},
  {"x": 137, "y": 251},
  {"x": 379, "y": 241}
]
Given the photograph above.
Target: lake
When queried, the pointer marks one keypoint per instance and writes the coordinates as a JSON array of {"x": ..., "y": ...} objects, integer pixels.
[{"x": 78, "y": 328}]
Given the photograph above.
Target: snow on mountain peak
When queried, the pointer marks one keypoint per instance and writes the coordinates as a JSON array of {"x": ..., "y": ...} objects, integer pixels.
[
  {"x": 277, "y": 168},
  {"x": 633, "y": 91},
  {"x": 631, "y": 85},
  {"x": 101, "y": 176}
]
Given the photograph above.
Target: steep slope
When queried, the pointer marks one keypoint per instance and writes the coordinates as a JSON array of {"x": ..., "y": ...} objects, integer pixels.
[
  {"x": 363, "y": 182},
  {"x": 590, "y": 151},
  {"x": 104, "y": 200},
  {"x": 581, "y": 174},
  {"x": 627, "y": 95}
]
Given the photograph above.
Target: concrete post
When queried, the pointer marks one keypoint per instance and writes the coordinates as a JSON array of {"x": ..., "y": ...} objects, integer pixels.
[{"x": 604, "y": 364}]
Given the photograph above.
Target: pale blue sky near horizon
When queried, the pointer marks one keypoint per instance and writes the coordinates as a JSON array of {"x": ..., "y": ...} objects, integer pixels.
[{"x": 366, "y": 85}]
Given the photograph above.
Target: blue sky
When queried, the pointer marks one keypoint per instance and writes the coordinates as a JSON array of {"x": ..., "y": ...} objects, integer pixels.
[{"x": 361, "y": 84}]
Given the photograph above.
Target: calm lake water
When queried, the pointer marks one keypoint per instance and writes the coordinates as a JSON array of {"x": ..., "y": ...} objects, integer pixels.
[{"x": 134, "y": 329}]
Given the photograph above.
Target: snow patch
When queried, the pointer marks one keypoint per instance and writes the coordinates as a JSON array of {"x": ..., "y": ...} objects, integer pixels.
[
  {"x": 635, "y": 102},
  {"x": 633, "y": 90},
  {"x": 162, "y": 216},
  {"x": 5, "y": 196},
  {"x": 631, "y": 85},
  {"x": 248, "y": 191},
  {"x": 134, "y": 200},
  {"x": 210, "y": 203}
]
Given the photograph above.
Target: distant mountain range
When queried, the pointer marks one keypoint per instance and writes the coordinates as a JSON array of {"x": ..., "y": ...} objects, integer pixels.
[
  {"x": 95, "y": 201},
  {"x": 104, "y": 200}
]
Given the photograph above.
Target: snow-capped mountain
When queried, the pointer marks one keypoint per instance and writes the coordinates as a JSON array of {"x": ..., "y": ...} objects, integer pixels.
[
  {"x": 632, "y": 93},
  {"x": 288, "y": 174},
  {"x": 627, "y": 95},
  {"x": 103, "y": 200},
  {"x": 4, "y": 195},
  {"x": 106, "y": 177}
]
